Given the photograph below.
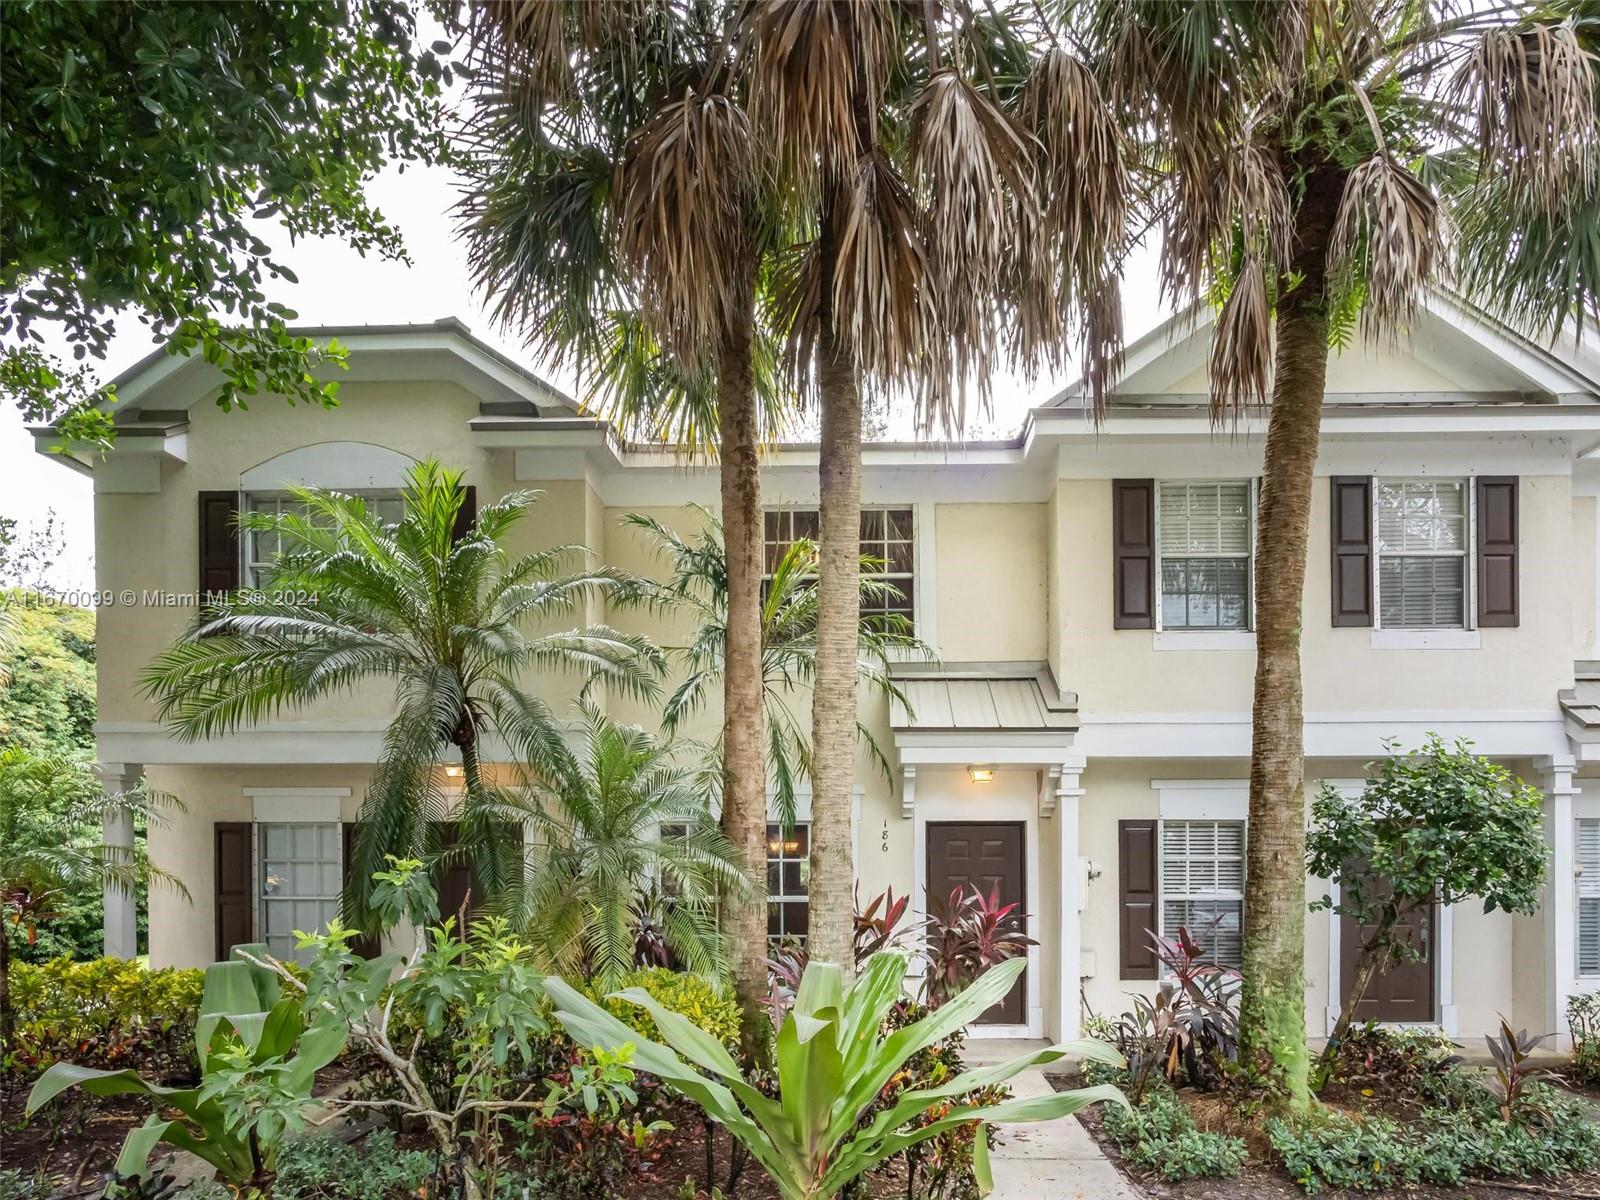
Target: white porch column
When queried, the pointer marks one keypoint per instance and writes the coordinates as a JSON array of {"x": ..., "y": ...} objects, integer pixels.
[
  {"x": 1067, "y": 791},
  {"x": 121, "y": 932},
  {"x": 1560, "y": 921}
]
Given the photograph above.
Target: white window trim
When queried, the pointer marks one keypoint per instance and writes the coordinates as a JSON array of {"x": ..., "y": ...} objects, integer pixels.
[
  {"x": 296, "y": 805},
  {"x": 1203, "y": 799},
  {"x": 1207, "y": 639},
  {"x": 258, "y": 900},
  {"x": 1411, "y": 638},
  {"x": 925, "y": 615},
  {"x": 247, "y": 574}
]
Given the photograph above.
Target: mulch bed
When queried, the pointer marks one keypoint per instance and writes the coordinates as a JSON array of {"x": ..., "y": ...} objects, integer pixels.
[
  {"x": 1262, "y": 1180},
  {"x": 76, "y": 1145}
]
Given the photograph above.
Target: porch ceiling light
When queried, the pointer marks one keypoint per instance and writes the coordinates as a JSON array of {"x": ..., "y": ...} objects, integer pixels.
[{"x": 980, "y": 773}]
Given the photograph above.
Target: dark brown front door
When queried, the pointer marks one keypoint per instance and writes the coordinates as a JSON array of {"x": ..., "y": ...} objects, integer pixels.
[
  {"x": 987, "y": 855},
  {"x": 1405, "y": 991}
]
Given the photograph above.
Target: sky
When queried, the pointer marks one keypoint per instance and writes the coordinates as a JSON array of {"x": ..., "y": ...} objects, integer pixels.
[{"x": 338, "y": 286}]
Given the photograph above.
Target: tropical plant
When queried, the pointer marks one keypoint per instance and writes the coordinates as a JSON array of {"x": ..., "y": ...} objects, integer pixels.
[
  {"x": 875, "y": 933},
  {"x": 53, "y": 816},
  {"x": 832, "y": 1062},
  {"x": 109, "y": 1012},
  {"x": 616, "y": 213},
  {"x": 259, "y": 1055},
  {"x": 1303, "y": 162},
  {"x": 151, "y": 149},
  {"x": 600, "y": 852},
  {"x": 697, "y": 589},
  {"x": 1439, "y": 825},
  {"x": 443, "y": 617},
  {"x": 1205, "y": 1036},
  {"x": 48, "y": 704},
  {"x": 1583, "y": 1023},
  {"x": 964, "y": 935},
  {"x": 1513, "y": 1071},
  {"x": 484, "y": 989}
]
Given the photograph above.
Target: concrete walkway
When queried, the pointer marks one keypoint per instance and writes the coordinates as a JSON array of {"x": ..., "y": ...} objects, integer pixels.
[{"x": 1053, "y": 1160}]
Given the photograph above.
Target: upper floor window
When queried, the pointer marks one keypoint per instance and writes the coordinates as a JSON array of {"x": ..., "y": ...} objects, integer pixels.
[
  {"x": 261, "y": 548},
  {"x": 1202, "y": 885},
  {"x": 887, "y": 537},
  {"x": 1204, "y": 538},
  {"x": 1423, "y": 528}
]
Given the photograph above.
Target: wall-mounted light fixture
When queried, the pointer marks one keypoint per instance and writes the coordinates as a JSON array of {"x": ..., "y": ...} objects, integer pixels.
[
  {"x": 979, "y": 773},
  {"x": 453, "y": 772}
]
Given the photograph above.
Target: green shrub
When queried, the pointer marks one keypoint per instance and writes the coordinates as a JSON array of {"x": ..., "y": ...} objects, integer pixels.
[
  {"x": 688, "y": 995},
  {"x": 1444, "y": 1146},
  {"x": 1583, "y": 1022},
  {"x": 324, "y": 1168},
  {"x": 1332, "y": 1150},
  {"x": 1160, "y": 1136},
  {"x": 109, "y": 1013}
]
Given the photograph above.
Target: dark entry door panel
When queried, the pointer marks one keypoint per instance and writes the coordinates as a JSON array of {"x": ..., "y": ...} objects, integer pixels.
[
  {"x": 1405, "y": 991},
  {"x": 986, "y": 855}
]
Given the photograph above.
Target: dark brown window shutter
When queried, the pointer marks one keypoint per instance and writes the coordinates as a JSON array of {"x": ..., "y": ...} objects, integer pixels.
[
  {"x": 467, "y": 514},
  {"x": 219, "y": 543},
  {"x": 365, "y": 945},
  {"x": 1497, "y": 551},
  {"x": 1133, "y": 535},
  {"x": 1351, "y": 538},
  {"x": 235, "y": 891},
  {"x": 1138, "y": 892}
]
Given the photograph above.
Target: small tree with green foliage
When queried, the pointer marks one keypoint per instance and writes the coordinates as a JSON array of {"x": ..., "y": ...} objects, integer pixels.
[{"x": 1439, "y": 825}]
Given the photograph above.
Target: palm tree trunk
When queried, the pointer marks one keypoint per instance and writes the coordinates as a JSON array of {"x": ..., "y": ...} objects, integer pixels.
[
  {"x": 1272, "y": 1024},
  {"x": 744, "y": 776},
  {"x": 833, "y": 700},
  {"x": 1373, "y": 951}
]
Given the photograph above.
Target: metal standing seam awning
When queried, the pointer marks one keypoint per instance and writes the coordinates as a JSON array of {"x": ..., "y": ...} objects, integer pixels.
[
  {"x": 1580, "y": 705},
  {"x": 996, "y": 712}
]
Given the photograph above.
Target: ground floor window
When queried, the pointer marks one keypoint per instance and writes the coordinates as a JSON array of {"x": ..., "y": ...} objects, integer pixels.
[
  {"x": 1202, "y": 885},
  {"x": 788, "y": 882},
  {"x": 1588, "y": 863},
  {"x": 300, "y": 877}
]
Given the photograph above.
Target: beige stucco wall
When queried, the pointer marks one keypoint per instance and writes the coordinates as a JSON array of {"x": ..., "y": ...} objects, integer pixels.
[
  {"x": 1121, "y": 671},
  {"x": 1491, "y": 972},
  {"x": 990, "y": 581}
]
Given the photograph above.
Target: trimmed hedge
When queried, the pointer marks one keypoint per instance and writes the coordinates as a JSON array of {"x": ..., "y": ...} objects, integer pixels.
[{"x": 108, "y": 1012}]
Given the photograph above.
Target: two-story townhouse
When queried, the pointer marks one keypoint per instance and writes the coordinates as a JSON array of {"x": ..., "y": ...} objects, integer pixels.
[{"x": 1083, "y": 741}]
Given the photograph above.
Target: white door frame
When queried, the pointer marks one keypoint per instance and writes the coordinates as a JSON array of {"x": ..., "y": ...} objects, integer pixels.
[
  {"x": 1006, "y": 810},
  {"x": 1444, "y": 991}
]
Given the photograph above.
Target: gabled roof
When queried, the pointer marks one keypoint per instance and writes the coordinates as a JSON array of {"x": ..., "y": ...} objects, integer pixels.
[
  {"x": 1454, "y": 353},
  {"x": 445, "y": 349},
  {"x": 1009, "y": 697}
]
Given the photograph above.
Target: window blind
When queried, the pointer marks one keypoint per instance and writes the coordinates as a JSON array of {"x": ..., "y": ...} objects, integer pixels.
[
  {"x": 1588, "y": 862},
  {"x": 1422, "y": 553},
  {"x": 1202, "y": 885},
  {"x": 1203, "y": 541}
]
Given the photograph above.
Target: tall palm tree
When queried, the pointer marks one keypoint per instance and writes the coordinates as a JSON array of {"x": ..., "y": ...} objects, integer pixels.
[
  {"x": 451, "y": 623},
  {"x": 617, "y": 826},
  {"x": 697, "y": 588},
  {"x": 616, "y": 214},
  {"x": 1305, "y": 161},
  {"x": 963, "y": 185},
  {"x": 52, "y": 814}
]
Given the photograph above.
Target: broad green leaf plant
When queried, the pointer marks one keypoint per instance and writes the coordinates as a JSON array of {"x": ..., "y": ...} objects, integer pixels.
[
  {"x": 833, "y": 1061},
  {"x": 259, "y": 1057}
]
